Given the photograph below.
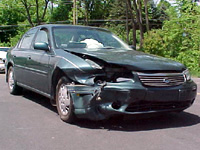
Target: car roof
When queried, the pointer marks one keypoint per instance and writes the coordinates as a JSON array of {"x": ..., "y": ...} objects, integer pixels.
[{"x": 71, "y": 26}]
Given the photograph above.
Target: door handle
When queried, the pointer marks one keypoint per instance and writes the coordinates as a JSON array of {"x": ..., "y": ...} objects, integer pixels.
[{"x": 29, "y": 57}]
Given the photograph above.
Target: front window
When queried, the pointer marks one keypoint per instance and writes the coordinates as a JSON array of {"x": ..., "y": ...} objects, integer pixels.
[
  {"x": 42, "y": 37},
  {"x": 87, "y": 38}
]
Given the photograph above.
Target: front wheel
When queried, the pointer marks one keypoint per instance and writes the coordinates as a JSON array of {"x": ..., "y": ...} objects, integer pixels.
[
  {"x": 64, "y": 101},
  {"x": 12, "y": 85}
]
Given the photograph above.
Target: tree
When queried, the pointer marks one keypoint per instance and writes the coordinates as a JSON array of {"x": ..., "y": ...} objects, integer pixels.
[
  {"x": 146, "y": 15},
  {"x": 10, "y": 14},
  {"x": 133, "y": 23},
  {"x": 137, "y": 8},
  {"x": 161, "y": 8},
  {"x": 179, "y": 37},
  {"x": 95, "y": 9},
  {"x": 63, "y": 8},
  {"x": 32, "y": 7}
]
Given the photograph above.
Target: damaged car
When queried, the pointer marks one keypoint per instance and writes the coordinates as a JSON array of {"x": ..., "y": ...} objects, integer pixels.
[{"x": 88, "y": 72}]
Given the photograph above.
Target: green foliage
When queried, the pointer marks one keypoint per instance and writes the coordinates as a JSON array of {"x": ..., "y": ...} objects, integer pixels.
[
  {"x": 96, "y": 9},
  {"x": 4, "y": 44},
  {"x": 62, "y": 12},
  {"x": 10, "y": 13},
  {"x": 191, "y": 58},
  {"x": 119, "y": 30},
  {"x": 179, "y": 38},
  {"x": 118, "y": 10}
]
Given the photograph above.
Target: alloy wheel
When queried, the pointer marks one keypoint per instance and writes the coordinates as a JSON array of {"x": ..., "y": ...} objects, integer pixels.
[
  {"x": 11, "y": 81},
  {"x": 63, "y": 99}
]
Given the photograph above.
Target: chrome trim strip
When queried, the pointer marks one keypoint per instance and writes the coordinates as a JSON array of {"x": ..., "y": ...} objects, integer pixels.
[
  {"x": 161, "y": 79},
  {"x": 159, "y": 74},
  {"x": 33, "y": 70}
]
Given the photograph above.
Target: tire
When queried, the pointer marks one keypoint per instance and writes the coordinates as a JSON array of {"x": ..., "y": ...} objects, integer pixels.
[
  {"x": 64, "y": 102},
  {"x": 12, "y": 84}
]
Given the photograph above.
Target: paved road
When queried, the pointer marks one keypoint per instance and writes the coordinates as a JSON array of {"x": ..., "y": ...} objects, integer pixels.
[{"x": 29, "y": 122}]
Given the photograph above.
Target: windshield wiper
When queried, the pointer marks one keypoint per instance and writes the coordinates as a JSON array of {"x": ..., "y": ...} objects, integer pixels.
[{"x": 108, "y": 47}]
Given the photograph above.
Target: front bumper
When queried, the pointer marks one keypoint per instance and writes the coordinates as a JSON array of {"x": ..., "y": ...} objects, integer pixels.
[{"x": 103, "y": 101}]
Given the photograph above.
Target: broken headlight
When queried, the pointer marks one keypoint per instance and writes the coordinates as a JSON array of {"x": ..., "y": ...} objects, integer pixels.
[
  {"x": 187, "y": 75},
  {"x": 93, "y": 64}
]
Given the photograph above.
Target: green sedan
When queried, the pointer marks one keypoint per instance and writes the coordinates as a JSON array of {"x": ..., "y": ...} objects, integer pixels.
[{"x": 88, "y": 72}]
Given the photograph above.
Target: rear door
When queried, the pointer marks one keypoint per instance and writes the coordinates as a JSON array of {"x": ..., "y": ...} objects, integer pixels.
[{"x": 20, "y": 54}]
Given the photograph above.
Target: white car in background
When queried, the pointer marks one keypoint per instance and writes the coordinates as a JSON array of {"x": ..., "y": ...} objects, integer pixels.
[{"x": 3, "y": 52}]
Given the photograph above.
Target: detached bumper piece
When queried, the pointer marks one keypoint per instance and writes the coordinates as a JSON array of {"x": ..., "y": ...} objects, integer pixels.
[{"x": 103, "y": 101}]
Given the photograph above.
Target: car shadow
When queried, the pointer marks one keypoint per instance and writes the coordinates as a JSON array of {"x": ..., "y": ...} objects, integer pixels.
[
  {"x": 127, "y": 123},
  {"x": 39, "y": 99},
  {"x": 143, "y": 122}
]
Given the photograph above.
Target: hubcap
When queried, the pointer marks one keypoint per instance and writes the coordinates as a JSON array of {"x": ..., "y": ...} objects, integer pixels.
[
  {"x": 11, "y": 80},
  {"x": 63, "y": 99}
]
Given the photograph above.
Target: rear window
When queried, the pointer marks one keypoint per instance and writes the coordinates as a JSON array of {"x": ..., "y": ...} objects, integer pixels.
[{"x": 28, "y": 38}]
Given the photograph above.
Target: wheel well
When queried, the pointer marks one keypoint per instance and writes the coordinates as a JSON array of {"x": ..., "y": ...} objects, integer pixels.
[
  {"x": 58, "y": 73},
  {"x": 8, "y": 66}
]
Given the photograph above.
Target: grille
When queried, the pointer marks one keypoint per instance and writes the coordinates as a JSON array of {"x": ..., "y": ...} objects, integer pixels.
[
  {"x": 156, "y": 106},
  {"x": 161, "y": 79}
]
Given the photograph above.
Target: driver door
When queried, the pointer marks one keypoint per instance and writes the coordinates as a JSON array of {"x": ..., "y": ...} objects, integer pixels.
[{"x": 38, "y": 64}]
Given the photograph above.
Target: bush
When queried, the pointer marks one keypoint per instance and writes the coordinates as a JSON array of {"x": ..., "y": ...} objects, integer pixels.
[
  {"x": 178, "y": 39},
  {"x": 119, "y": 30},
  {"x": 191, "y": 59},
  {"x": 14, "y": 40}
]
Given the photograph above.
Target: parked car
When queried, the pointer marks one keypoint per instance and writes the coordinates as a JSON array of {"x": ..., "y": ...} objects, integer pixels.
[
  {"x": 3, "y": 52},
  {"x": 88, "y": 72}
]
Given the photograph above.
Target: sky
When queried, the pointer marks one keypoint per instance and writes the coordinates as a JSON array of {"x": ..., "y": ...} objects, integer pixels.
[{"x": 171, "y": 1}]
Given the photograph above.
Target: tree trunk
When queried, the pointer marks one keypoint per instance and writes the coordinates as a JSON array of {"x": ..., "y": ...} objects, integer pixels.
[
  {"x": 45, "y": 9},
  {"x": 86, "y": 13},
  {"x": 139, "y": 19},
  {"x": 133, "y": 23},
  {"x": 24, "y": 2},
  {"x": 146, "y": 15},
  {"x": 52, "y": 2},
  {"x": 37, "y": 12},
  {"x": 127, "y": 27}
]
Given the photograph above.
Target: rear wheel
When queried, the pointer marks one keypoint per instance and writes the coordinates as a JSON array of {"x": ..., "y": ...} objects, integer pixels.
[
  {"x": 64, "y": 101},
  {"x": 12, "y": 85}
]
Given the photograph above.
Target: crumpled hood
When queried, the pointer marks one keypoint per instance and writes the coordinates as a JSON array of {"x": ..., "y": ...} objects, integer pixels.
[{"x": 134, "y": 60}]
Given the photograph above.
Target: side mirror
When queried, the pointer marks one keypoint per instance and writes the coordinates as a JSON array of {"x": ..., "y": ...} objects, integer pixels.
[
  {"x": 41, "y": 46},
  {"x": 132, "y": 46}
]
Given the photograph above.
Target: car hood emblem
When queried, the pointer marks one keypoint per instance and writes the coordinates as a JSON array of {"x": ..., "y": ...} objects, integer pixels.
[{"x": 166, "y": 80}]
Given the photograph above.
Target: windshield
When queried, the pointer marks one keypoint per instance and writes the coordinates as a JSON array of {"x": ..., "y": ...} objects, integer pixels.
[
  {"x": 88, "y": 38},
  {"x": 3, "y": 49}
]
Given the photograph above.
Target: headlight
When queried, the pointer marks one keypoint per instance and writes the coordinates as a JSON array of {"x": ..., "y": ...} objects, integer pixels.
[
  {"x": 187, "y": 75},
  {"x": 124, "y": 79},
  {"x": 93, "y": 64}
]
